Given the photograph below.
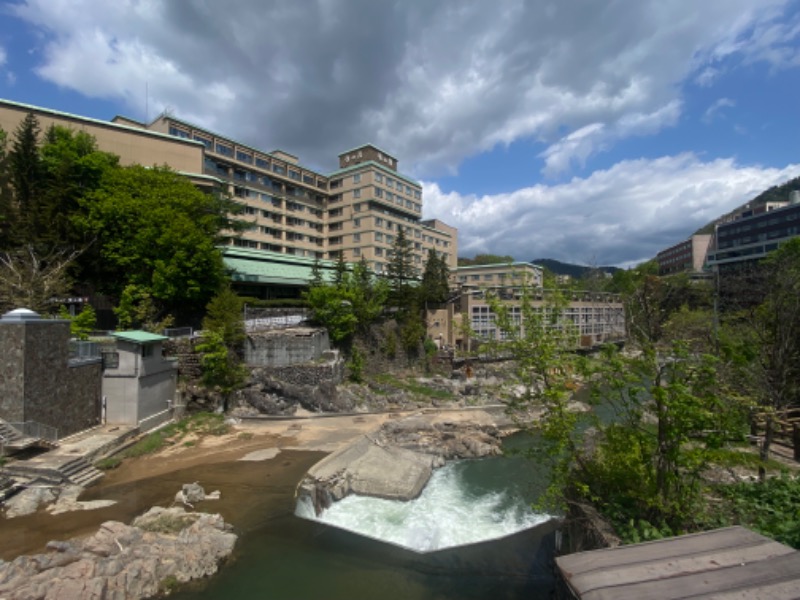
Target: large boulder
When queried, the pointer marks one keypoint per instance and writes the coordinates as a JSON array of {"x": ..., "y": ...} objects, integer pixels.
[{"x": 163, "y": 547}]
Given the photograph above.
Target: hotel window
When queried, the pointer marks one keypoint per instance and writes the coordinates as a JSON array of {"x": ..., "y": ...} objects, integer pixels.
[
  {"x": 294, "y": 175},
  {"x": 260, "y": 162},
  {"x": 378, "y": 192},
  {"x": 174, "y": 131},
  {"x": 357, "y": 193},
  {"x": 408, "y": 190},
  {"x": 379, "y": 177},
  {"x": 224, "y": 149},
  {"x": 357, "y": 178},
  {"x": 357, "y": 207},
  {"x": 378, "y": 222},
  {"x": 390, "y": 239},
  {"x": 336, "y": 183},
  {"x": 390, "y": 183},
  {"x": 356, "y": 237},
  {"x": 244, "y": 157},
  {"x": 279, "y": 169},
  {"x": 378, "y": 236},
  {"x": 336, "y": 212},
  {"x": 203, "y": 140},
  {"x": 378, "y": 251},
  {"x": 356, "y": 222},
  {"x": 308, "y": 179},
  {"x": 356, "y": 251}
]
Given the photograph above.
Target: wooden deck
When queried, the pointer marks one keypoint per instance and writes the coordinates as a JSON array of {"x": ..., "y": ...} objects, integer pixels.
[{"x": 728, "y": 563}]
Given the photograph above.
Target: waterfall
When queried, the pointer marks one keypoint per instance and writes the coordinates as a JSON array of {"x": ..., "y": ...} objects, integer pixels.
[{"x": 448, "y": 513}]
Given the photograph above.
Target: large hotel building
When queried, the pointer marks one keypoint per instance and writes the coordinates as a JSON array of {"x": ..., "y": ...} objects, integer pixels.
[{"x": 296, "y": 214}]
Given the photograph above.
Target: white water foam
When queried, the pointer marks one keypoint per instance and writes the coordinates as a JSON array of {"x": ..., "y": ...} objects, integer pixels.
[{"x": 444, "y": 515}]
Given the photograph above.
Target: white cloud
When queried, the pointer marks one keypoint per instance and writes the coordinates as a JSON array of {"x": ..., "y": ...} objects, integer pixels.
[
  {"x": 716, "y": 108},
  {"x": 435, "y": 82},
  {"x": 622, "y": 215}
]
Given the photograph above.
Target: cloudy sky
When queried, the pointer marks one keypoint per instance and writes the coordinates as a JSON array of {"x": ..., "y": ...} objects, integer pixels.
[{"x": 589, "y": 131}]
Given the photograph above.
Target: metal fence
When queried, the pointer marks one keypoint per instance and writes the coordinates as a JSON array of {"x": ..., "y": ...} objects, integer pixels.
[
  {"x": 256, "y": 319},
  {"x": 80, "y": 350},
  {"x": 39, "y": 431},
  {"x": 178, "y": 332}
]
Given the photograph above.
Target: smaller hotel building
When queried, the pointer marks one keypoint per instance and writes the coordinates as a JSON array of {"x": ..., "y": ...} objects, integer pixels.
[{"x": 598, "y": 317}]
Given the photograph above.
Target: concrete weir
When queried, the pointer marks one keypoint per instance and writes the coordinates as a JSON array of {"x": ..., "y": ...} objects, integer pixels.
[{"x": 396, "y": 461}]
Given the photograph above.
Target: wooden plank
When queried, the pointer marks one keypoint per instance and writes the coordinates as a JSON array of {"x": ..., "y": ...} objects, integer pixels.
[
  {"x": 696, "y": 543},
  {"x": 781, "y": 569},
  {"x": 785, "y": 590},
  {"x": 678, "y": 566}
]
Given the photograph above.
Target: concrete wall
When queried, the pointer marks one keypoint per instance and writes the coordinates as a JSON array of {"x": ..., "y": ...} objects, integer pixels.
[
  {"x": 285, "y": 347},
  {"x": 140, "y": 390},
  {"x": 12, "y": 374},
  {"x": 39, "y": 383}
]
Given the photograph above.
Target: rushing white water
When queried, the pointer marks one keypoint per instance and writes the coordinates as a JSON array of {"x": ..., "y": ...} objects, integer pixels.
[{"x": 446, "y": 514}]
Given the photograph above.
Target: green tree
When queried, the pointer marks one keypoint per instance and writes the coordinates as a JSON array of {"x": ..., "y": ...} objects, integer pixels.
[
  {"x": 224, "y": 315},
  {"x": 766, "y": 340},
  {"x": 8, "y": 213},
  {"x": 401, "y": 271},
  {"x": 156, "y": 231},
  {"x": 82, "y": 324},
  {"x": 352, "y": 301},
  {"x": 435, "y": 284},
  {"x": 71, "y": 167},
  {"x": 222, "y": 368},
  {"x": 137, "y": 310},
  {"x": 26, "y": 181}
]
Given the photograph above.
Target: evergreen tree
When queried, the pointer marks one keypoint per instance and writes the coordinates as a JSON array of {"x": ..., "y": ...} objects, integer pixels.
[
  {"x": 435, "y": 286},
  {"x": 7, "y": 210},
  {"x": 26, "y": 180},
  {"x": 401, "y": 271}
]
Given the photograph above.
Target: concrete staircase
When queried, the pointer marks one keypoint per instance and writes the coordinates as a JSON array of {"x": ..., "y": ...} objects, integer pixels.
[
  {"x": 80, "y": 472},
  {"x": 13, "y": 440},
  {"x": 56, "y": 470}
]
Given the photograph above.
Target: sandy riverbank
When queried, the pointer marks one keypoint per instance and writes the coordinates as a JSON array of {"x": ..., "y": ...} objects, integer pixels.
[{"x": 252, "y": 462}]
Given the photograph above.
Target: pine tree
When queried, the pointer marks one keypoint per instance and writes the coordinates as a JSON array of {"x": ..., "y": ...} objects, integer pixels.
[
  {"x": 26, "y": 179},
  {"x": 401, "y": 271}
]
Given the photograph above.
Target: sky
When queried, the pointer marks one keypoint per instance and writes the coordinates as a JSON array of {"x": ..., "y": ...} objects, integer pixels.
[{"x": 594, "y": 132}]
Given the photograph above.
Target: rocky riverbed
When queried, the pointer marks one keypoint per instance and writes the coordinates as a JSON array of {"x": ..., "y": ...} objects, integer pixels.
[
  {"x": 162, "y": 548},
  {"x": 397, "y": 460}
]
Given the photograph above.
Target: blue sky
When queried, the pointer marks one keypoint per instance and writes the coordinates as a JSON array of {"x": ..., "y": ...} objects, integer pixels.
[{"x": 591, "y": 132}]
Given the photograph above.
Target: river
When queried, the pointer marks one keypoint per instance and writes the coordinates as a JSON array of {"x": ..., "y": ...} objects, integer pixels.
[{"x": 280, "y": 555}]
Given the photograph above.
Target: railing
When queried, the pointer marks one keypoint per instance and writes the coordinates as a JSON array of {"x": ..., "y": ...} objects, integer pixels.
[
  {"x": 38, "y": 431},
  {"x": 256, "y": 319},
  {"x": 178, "y": 332},
  {"x": 80, "y": 350},
  {"x": 786, "y": 428}
]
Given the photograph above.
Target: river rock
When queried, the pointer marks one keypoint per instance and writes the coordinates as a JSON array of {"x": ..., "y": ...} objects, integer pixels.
[
  {"x": 397, "y": 460},
  {"x": 28, "y": 501},
  {"x": 122, "y": 561}
]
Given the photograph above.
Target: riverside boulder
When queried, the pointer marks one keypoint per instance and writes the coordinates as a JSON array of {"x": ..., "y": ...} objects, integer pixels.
[{"x": 162, "y": 547}]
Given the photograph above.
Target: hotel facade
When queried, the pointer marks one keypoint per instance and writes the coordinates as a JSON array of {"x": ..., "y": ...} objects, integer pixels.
[{"x": 292, "y": 211}]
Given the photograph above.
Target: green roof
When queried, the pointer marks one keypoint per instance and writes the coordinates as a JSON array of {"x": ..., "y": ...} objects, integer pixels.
[
  {"x": 139, "y": 337},
  {"x": 261, "y": 266},
  {"x": 372, "y": 163}
]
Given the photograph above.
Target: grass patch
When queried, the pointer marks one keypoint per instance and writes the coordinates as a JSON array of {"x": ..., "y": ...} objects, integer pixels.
[
  {"x": 387, "y": 380},
  {"x": 199, "y": 424},
  {"x": 169, "y": 584},
  {"x": 111, "y": 462}
]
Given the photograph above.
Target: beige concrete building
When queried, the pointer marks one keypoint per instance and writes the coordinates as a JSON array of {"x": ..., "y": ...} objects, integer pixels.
[
  {"x": 355, "y": 211},
  {"x": 468, "y": 320},
  {"x": 688, "y": 256}
]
